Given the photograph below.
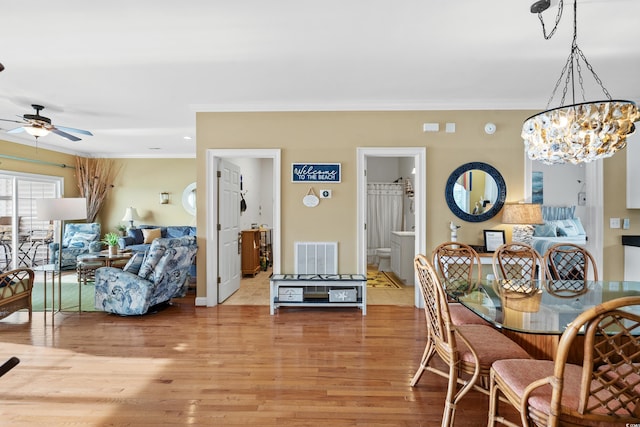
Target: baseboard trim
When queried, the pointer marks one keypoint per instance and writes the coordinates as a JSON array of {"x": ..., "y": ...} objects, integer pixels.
[{"x": 201, "y": 301}]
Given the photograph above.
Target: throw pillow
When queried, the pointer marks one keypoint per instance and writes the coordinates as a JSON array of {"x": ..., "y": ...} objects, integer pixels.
[
  {"x": 135, "y": 262},
  {"x": 136, "y": 233},
  {"x": 150, "y": 234},
  {"x": 545, "y": 230},
  {"x": 81, "y": 240},
  {"x": 579, "y": 227},
  {"x": 567, "y": 228}
]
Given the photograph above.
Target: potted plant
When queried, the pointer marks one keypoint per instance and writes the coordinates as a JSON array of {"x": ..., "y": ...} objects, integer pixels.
[
  {"x": 111, "y": 240},
  {"x": 122, "y": 229}
]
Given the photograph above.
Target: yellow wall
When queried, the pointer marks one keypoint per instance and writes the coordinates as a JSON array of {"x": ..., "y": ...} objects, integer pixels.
[
  {"x": 38, "y": 154},
  {"x": 334, "y": 137},
  {"x": 615, "y": 185},
  {"x": 139, "y": 185}
]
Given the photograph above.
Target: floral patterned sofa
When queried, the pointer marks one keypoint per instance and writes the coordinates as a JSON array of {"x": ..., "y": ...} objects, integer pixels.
[
  {"x": 146, "y": 280},
  {"x": 77, "y": 239}
]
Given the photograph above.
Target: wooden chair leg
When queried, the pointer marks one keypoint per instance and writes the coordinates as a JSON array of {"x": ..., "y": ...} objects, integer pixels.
[
  {"x": 450, "y": 400},
  {"x": 493, "y": 401},
  {"x": 429, "y": 351}
]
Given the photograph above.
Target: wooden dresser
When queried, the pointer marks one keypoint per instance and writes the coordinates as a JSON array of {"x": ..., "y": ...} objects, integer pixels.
[{"x": 250, "y": 252}]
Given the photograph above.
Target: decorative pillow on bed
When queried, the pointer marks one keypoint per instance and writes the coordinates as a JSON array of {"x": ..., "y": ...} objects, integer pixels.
[
  {"x": 546, "y": 230},
  {"x": 570, "y": 227}
]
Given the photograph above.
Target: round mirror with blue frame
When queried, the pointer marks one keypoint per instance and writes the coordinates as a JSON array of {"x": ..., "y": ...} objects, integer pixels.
[{"x": 475, "y": 192}]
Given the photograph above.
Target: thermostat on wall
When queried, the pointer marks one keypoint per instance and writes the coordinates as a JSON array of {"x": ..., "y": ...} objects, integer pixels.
[{"x": 325, "y": 194}]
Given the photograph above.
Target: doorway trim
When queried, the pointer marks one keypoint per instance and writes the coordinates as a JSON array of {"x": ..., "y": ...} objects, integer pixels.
[
  {"x": 594, "y": 177},
  {"x": 419, "y": 155},
  {"x": 211, "y": 209}
]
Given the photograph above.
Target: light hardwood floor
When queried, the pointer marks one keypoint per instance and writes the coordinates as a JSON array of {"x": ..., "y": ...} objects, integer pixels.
[
  {"x": 255, "y": 291},
  {"x": 224, "y": 366}
]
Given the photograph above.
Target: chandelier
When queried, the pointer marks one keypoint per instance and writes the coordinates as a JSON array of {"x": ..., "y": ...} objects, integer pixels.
[{"x": 580, "y": 132}]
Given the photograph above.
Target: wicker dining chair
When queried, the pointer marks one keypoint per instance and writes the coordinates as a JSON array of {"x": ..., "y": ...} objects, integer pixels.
[
  {"x": 604, "y": 391},
  {"x": 460, "y": 263},
  {"x": 467, "y": 350},
  {"x": 568, "y": 261},
  {"x": 518, "y": 262}
]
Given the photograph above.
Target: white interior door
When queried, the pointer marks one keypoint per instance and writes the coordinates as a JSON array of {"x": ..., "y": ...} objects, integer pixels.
[{"x": 228, "y": 237}]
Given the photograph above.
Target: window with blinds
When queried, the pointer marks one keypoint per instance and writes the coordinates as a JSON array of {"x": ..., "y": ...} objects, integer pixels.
[{"x": 24, "y": 238}]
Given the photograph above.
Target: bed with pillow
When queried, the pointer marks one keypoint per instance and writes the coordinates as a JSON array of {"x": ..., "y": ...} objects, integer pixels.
[{"x": 560, "y": 226}]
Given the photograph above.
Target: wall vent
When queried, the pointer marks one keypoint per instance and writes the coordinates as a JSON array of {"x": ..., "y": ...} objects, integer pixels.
[{"x": 316, "y": 257}]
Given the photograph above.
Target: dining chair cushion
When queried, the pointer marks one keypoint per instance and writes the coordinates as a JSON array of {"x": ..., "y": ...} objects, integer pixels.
[
  {"x": 490, "y": 345},
  {"x": 518, "y": 374},
  {"x": 461, "y": 315}
]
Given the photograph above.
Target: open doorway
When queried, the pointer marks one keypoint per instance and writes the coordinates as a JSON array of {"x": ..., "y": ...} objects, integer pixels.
[
  {"x": 572, "y": 185},
  {"x": 253, "y": 165},
  {"x": 416, "y": 156}
]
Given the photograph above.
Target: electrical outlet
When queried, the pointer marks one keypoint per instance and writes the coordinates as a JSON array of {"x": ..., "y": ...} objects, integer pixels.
[
  {"x": 582, "y": 198},
  {"x": 625, "y": 223},
  {"x": 325, "y": 194},
  {"x": 614, "y": 222}
]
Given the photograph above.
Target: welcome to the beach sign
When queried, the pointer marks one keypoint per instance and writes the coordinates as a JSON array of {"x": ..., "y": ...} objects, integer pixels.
[{"x": 315, "y": 172}]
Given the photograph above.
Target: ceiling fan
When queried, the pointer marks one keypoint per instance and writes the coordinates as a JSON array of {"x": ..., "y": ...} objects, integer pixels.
[{"x": 37, "y": 125}]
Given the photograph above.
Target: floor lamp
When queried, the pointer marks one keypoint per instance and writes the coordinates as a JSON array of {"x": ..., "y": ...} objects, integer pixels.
[{"x": 62, "y": 209}]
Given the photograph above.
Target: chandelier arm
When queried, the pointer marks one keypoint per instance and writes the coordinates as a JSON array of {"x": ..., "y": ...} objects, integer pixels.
[
  {"x": 593, "y": 73},
  {"x": 555, "y": 27},
  {"x": 555, "y": 89}
]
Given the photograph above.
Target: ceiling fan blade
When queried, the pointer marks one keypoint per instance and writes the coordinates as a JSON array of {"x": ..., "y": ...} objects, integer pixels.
[
  {"x": 65, "y": 135},
  {"x": 16, "y": 130},
  {"x": 67, "y": 129},
  {"x": 12, "y": 121}
]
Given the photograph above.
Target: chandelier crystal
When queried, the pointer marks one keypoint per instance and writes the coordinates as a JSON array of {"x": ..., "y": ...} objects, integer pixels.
[{"x": 581, "y": 132}]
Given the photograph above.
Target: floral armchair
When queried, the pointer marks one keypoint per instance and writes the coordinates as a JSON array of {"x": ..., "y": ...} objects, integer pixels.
[
  {"x": 77, "y": 239},
  {"x": 148, "y": 279}
]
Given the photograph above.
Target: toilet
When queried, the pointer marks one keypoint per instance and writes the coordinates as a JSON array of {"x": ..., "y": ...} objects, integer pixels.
[{"x": 384, "y": 259}]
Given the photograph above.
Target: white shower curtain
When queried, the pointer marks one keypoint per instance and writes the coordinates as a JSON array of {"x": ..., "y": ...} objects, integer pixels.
[{"x": 384, "y": 215}]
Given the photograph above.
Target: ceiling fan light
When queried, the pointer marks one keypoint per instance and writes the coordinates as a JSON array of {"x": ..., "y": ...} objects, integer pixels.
[{"x": 36, "y": 131}]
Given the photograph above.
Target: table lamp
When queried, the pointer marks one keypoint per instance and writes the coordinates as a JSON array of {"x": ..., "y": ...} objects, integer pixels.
[
  {"x": 61, "y": 210},
  {"x": 130, "y": 215},
  {"x": 523, "y": 216}
]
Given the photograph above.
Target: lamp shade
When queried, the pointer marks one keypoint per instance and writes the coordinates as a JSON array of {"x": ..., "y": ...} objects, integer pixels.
[
  {"x": 61, "y": 209},
  {"x": 130, "y": 214},
  {"x": 522, "y": 213}
]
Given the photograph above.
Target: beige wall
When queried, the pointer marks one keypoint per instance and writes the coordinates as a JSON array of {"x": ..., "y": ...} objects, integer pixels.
[
  {"x": 139, "y": 185},
  {"x": 615, "y": 185},
  {"x": 40, "y": 155},
  {"x": 334, "y": 137}
]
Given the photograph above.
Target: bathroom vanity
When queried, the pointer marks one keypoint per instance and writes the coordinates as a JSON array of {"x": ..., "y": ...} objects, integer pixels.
[{"x": 402, "y": 255}]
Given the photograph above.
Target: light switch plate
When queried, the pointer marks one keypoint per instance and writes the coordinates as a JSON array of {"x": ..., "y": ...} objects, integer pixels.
[
  {"x": 625, "y": 223},
  {"x": 614, "y": 222}
]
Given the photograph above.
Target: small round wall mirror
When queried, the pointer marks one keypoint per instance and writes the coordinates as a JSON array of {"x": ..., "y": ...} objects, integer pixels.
[
  {"x": 475, "y": 192},
  {"x": 189, "y": 198}
]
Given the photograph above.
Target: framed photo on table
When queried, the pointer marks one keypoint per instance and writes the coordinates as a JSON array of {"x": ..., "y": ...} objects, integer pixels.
[{"x": 493, "y": 239}]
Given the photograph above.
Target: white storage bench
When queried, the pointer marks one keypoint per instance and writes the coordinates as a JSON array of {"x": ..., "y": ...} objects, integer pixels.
[{"x": 318, "y": 290}]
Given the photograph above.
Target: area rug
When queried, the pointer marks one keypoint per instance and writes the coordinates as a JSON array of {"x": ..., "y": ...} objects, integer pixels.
[
  {"x": 382, "y": 279},
  {"x": 69, "y": 294}
]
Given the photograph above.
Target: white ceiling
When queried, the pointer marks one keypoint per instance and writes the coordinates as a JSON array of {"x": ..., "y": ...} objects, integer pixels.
[{"x": 135, "y": 72}]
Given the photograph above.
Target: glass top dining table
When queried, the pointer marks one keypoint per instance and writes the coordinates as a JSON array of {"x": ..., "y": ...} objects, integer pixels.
[{"x": 537, "y": 307}]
